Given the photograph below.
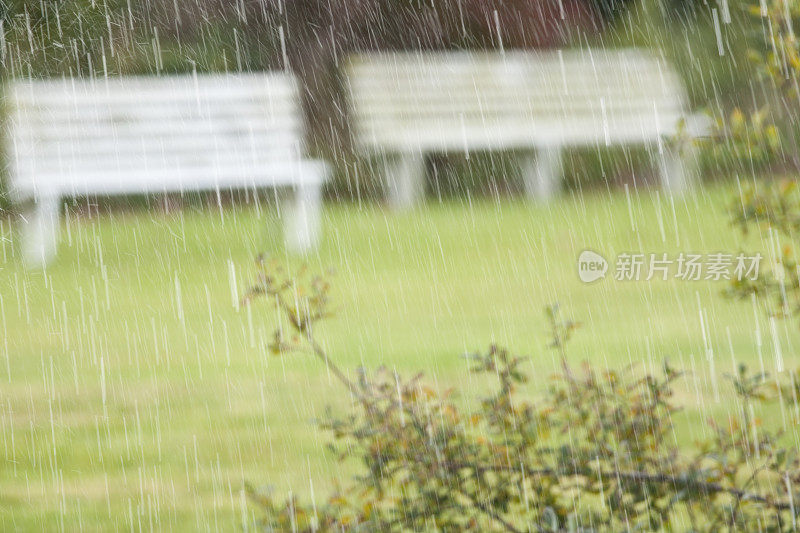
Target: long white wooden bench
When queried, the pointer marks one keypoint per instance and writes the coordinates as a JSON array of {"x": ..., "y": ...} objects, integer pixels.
[
  {"x": 76, "y": 137},
  {"x": 405, "y": 105}
]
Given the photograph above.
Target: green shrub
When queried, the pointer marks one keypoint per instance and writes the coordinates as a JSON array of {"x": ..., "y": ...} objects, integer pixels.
[
  {"x": 766, "y": 141},
  {"x": 597, "y": 452}
]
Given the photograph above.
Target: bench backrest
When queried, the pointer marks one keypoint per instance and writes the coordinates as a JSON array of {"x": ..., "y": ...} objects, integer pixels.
[
  {"x": 466, "y": 100},
  {"x": 152, "y": 134}
]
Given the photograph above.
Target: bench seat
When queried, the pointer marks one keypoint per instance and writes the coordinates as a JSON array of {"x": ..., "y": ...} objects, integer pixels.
[
  {"x": 407, "y": 104},
  {"x": 133, "y": 135}
]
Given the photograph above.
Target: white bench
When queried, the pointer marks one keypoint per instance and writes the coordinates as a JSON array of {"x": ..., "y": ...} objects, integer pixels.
[
  {"x": 405, "y": 105},
  {"x": 76, "y": 137}
]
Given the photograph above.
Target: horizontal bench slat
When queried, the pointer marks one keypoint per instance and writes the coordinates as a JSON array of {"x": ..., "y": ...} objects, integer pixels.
[
  {"x": 142, "y": 165},
  {"x": 85, "y": 132},
  {"x": 573, "y": 109},
  {"x": 510, "y": 137},
  {"x": 90, "y": 156},
  {"x": 140, "y": 112},
  {"x": 187, "y": 178},
  {"x": 92, "y": 101},
  {"x": 113, "y": 160},
  {"x": 225, "y": 86}
]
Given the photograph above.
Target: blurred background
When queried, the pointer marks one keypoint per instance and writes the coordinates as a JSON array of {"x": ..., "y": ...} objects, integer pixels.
[
  {"x": 312, "y": 37},
  {"x": 135, "y": 391}
]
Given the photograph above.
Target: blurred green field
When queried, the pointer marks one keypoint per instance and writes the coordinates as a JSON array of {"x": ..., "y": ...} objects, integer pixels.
[{"x": 135, "y": 395}]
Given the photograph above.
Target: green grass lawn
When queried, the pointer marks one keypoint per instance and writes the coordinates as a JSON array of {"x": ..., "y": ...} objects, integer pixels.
[{"x": 135, "y": 395}]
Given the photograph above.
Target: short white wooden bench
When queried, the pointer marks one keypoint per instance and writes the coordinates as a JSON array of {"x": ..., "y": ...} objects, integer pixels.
[
  {"x": 405, "y": 105},
  {"x": 128, "y": 135}
]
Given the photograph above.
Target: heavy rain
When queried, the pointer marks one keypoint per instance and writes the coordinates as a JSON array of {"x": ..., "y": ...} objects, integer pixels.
[{"x": 399, "y": 265}]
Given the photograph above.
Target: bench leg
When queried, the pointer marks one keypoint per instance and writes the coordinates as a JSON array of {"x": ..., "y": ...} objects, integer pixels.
[
  {"x": 404, "y": 176},
  {"x": 302, "y": 222},
  {"x": 677, "y": 167},
  {"x": 40, "y": 232},
  {"x": 541, "y": 172}
]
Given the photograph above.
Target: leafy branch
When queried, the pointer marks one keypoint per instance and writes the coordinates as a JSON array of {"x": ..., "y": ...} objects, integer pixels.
[{"x": 597, "y": 451}]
